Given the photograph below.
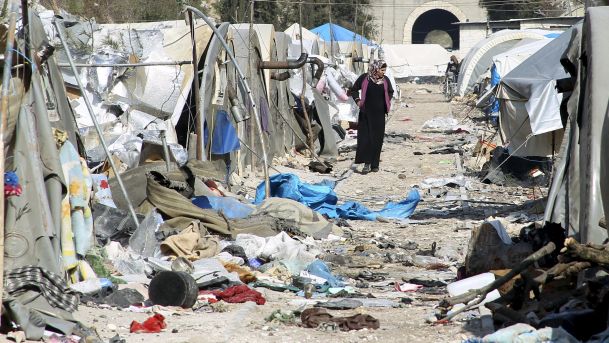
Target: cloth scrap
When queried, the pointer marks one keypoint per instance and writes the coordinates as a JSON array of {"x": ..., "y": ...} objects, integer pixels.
[
  {"x": 191, "y": 245},
  {"x": 153, "y": 324},
  {"x": 407, "y": 287},
  {"x": 240, "y": 294},
  {"x": 314, "y": 317},
  {"x": 52, "y": 286}
]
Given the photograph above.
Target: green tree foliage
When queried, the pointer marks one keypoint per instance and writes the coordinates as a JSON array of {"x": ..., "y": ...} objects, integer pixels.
[
  {"x": 120, "y": 11},
  {"x": 314, "y": 13},
  {"x": 500, "y": 10}
]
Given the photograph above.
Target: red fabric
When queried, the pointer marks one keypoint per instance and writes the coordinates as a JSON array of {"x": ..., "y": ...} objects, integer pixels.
[
  {"x": 10, "y": 190},
  {"x": 153, "y": 324},
  {"x": 240, "y": 294}
]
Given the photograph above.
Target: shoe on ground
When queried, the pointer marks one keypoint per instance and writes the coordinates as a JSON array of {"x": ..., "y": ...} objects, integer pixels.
[{"x": 366, "y": 169}]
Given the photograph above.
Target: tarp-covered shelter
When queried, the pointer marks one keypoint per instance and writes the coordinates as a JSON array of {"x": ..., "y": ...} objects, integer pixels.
[
  {"x": 479, "y": 58},
  {"x": 530, "y": 103},
  {"x": 507, "y": 61},
  {"x": 404, "y": 60},
  {"x": 579, "y": 196},
  {"x": 338, "y": 33}
]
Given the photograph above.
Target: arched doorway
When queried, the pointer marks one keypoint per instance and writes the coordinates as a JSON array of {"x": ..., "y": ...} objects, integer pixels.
[{"x": 436, "y": 26}]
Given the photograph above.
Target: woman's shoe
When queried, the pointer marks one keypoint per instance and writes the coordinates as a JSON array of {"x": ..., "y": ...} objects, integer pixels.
[
  {"x": 366, "y": 169},
  {"x": 374, "y": 170}
]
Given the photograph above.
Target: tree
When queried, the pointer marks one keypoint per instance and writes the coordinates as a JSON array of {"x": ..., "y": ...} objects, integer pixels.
[
  {"x": 315, "y": 12},
  {"x": 499, "y": 10}
]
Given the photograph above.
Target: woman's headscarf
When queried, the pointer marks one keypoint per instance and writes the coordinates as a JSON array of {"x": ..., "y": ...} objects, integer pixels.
[{"x": 374, "y": 71}]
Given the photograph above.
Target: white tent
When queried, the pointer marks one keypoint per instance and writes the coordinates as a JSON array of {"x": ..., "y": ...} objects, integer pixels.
[
  {"x": 530, "y": 104},
  {"x": 507, "y": 61},
  {"x": 479, "y": 59},
  {"x": 404, "y": 60}
]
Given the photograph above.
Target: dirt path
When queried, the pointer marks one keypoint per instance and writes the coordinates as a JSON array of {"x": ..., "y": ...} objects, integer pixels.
[{"x": 434, "y": 221}]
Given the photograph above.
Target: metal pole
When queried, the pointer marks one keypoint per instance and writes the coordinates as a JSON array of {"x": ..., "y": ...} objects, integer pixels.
[
  {"x": 249, "y": 77},
  {"x": 126, "y": 65},
  {"x": 247, "y": 89},
  {"x": 6, "y": 78},
  {"x": 97, "y": 127},
  {"x": 199, "y": 121}
]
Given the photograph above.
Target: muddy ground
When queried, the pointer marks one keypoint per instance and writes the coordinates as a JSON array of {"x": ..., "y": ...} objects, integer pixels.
[{"x": 435, "y": 220}]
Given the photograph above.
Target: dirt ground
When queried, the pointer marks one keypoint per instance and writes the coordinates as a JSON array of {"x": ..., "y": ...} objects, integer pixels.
[{"x": 435, "y": 220}]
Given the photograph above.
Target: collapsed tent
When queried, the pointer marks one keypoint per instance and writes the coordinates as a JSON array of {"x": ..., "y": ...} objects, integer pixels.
[
  {"x": 530, "y": 119},
  {"x": 479, "y": 58},
  {"x": 405, "y": 60},
  {"x": 579, "y": 197}
]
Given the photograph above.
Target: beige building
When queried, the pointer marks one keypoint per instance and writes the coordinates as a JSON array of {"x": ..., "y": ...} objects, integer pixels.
[{"x": 422, "y": 21}]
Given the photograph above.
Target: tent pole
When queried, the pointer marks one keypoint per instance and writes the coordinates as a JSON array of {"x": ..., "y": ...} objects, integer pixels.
[
  {"x": 249, "y": 77},
  {"x": 304, "y": 88},
  {"x": 267, "y": 184},
  {"x": 195, "y": 66},
  {"x": 6, "y": 78},
  {"x": 97, "y": 127}
]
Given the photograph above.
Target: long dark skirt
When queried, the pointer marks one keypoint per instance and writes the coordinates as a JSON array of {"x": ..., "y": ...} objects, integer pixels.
[{"x": 370, "y": 134}]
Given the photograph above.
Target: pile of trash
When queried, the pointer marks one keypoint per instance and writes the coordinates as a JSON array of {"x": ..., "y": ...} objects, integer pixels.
[{"x": 539, "y": 286}]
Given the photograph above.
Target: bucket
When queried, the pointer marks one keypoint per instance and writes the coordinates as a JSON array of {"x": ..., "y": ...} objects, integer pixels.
[{"x": 170, "y": 288}]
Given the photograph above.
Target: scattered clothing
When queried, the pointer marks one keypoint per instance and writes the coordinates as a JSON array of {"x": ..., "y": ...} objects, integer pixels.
[
  {"x": 240, "y": 294},
  {"x": 344, "y": 304},
  {"x": 153, "y": 324},
  {"x": 314, "y": 317},
  {"x": 407, "y": 287},
  {"x": 191, "y": 245},
  {"x": 51, "y": 285}
]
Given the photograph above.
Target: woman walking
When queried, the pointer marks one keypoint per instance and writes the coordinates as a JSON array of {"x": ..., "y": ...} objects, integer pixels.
[{"x": 374, "y": 103}]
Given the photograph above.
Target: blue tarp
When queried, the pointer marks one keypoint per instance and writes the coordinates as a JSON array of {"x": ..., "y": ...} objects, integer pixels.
[
  {"x": 338, "y": 33},
  {"x": 323, "y": 199},
  {"x": 225, "y": 138},
  {"x": 231, "y": 207}
]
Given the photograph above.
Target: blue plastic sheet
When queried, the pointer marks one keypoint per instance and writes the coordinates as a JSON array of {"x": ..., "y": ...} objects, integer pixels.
[
  {"x": 319, "y": 268},
  {"x": 338, "y": 33},
  {"x": 225, "y": 137},
  {"x": 323, "y": 199},
  {"x": 231, "y": 207}
]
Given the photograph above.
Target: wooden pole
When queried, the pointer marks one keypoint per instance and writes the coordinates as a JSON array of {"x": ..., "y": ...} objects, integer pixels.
[
  {"x": 6, "y": 78},
  {"x": 304, "y": 88}
]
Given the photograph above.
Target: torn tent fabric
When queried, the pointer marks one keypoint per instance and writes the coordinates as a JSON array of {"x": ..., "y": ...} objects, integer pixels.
[{"x": 323, "y": 199}]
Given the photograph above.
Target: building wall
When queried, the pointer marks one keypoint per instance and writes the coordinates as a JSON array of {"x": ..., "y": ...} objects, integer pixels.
[
  {"x": 469, "y": 36},
  {"x": 395, "y": 18}
]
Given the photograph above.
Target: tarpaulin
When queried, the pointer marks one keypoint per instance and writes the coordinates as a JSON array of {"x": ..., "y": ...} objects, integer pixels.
[
  {"x": 323, "y": 199},
  {"x": 225, "y": 138},
  {"x": 231, "y": 207}
]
